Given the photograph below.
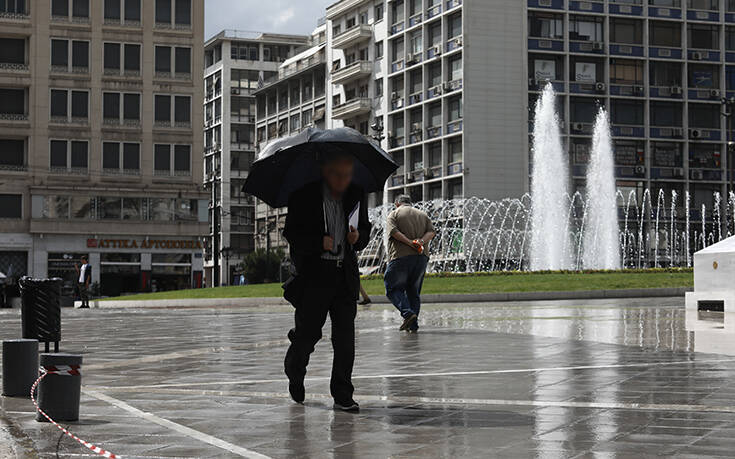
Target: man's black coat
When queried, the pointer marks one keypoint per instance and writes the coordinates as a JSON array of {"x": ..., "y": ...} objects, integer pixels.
[{"x": 305, "y": 233}]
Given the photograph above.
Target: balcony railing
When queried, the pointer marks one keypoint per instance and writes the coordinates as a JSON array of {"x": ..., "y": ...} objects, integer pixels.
[
  {"x": 13, "y": 117},
  {"x": 352, "y": 108},
  {"x": 12, "y": 67},
  {"x": 352, "y": 72},
  {"x": 352, "y": 36}
]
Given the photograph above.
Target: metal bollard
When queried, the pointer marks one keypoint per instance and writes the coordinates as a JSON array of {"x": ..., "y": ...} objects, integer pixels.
[
  {"x": 20, "y": 366},
  {"x": 58, "y": 394}
]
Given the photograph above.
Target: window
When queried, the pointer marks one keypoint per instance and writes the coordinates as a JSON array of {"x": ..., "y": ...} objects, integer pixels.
[
  {"x": 13, "y": 7},
  {"x": 585, "y": 28},
  {"x": 179, "y": 62},
  {"x": 179, "y": 111},
  {"x": 627, "y": 31},
  {"x": 127, "y": 10},
  {"x": 69, "y": 155},
  {"x": 454, "y": 26},
  {"x": 172, "y": 160},
  {"x": 435, "y": 115},
  {"x": 704, "y": 116},
  {"x": 62, "y": 100},
  {"x": 113, "y": 110},
  {"x": 379, "y": 12},
  {"x": 379, "y": 50},
  {"x": 435, "y": 154},
  {"x": 455, "y": 150},
  {"x": 379, "y": 87},
  {"x": 125, "y": 58},
  {"x": 711, "y": 5},
  {"x": 13, "y": 153},
  {"x": 628, "y": 112},
  {"x": 14, "y": 102},
  {"x": 666, "y": 114},
  {"x": 455, "y": 109},
  {"x": 121, "y": 158},
  {"x": 704, "y": 76},
  {"x": 543, "y": 25},
  {"x": 703, "y": 36},
  {"x": 79, "y": 9},
  {"x": 13, "y": 51},
  {"x": 178, "y": 11},
  {"x": 665, "y": 73},
  {"x": 627, "y": 72},
  {"x": 665, "y": 34},
  {"x": 11, "y": 206},
  {"x": 60, "y": 51}
]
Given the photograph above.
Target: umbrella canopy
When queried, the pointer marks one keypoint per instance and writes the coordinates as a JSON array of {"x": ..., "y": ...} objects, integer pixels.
[{"x": 288, "y": 164}]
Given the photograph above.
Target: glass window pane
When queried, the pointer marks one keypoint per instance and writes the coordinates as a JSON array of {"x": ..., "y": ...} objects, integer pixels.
[
  {"x": 182, "y": 109},
  {"x": 80, "y": 54},
  {"x": 182, "y": 157},
  {"x": 80, "y": 8},
  {"x": 131, "y": 110},
  {"x": 79, "y": 104},
  {"x": 58, "y": 153},
  {"x": 112, "y": 56},
  {"x": 13, "y": 152},
  {"x": 162, "y": 209},
  {"x": 132, "y": 10},
  {"x": 163, "y": 108},
  {"x": 183, "y": 60},
  {"x": 131, "y": 156},
  {"x": 111, "y": 155},
  {"x": 132, "y": 57},
  {"x": 81, "y": 207},
  {"x": 58, "y": 103},
  {"x": 112, "y": 9},
  {"x": 132, "y": 209},
  {"x": 163, "y": 11},
  {"x": 60, "y": 53},
  {"x": 12, "y": 50},
  {"x": 163, "y": 59},
  {"x": 59, "y": 7},
  {"x": 183, "y": 12},
  {"x": 111, "y": 105},
  {"x": 110, "y": 208},
  {"x": 162, "y": 158},
  {"x": 79, "y": 154}
]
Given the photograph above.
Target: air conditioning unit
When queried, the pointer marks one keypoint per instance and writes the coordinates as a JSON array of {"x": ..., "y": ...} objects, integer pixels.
[
  {"x": 458, "y": 41},
  {"x": 695, "y": 134},
  {"x": 533, "y": 83},
  {"x": 577, "y": 126},
  {"x": 676, "y": 90},
  {"x": 600, "y": 87},
  {"x": 714, "y": 93},
  {"x": 638, "y": 90},
  {"x": 598, "y": 46},
  {"x": 677, "y": 132},
  {"x": 428, "y": 173},
  {"x": 679, "y": 172},
  {"x": 411, "y": 58},
  {"x": 416, "y": 127},
  {"x": 696, "y": 175},
  {"x": 235, "y": 91},
  {"x": 640, "y": 170},
  {"x": 697, "y": 56}
]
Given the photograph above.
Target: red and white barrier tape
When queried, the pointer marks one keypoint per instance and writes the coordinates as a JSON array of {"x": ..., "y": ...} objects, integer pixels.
[{"x": 66, "y": 371}]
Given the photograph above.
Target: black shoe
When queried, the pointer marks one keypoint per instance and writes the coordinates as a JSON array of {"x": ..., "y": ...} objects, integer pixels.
[
  {"x": 297, "y": 391},
  {"x": 347, "y": 405},
  {"x": 84, "y": 306},
  {"x": 365, "y": 302},
  {"x": 410, "y": 320}
]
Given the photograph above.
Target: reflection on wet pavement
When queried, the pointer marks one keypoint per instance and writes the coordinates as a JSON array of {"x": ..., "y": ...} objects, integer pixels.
[{"x": 600, "y": 378}]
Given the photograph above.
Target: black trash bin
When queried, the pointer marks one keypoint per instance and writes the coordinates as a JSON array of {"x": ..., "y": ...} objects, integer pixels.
[{"x": 41, "y": 310}]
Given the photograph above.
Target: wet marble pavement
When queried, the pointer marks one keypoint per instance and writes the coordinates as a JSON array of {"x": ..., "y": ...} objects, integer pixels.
[{"x": 595, "y": 378}]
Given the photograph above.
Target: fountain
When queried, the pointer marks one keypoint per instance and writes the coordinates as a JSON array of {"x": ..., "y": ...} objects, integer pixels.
[
  {"x": 553, "y": 229},
  {"x": 601, "y": 232},
  {"x": 549, "y": 243}
]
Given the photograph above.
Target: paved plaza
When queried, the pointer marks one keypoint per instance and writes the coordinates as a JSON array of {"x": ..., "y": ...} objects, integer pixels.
[{"x": 593, "y": 378}]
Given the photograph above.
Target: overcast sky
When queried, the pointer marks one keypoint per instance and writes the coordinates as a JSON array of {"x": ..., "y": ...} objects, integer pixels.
[{"x": 282, "y": 16}]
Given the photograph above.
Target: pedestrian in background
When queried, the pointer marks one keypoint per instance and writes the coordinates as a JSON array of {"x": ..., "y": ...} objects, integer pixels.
[
  {"x": 410, "y": 231},
  {"x": 84, "y": 274}
]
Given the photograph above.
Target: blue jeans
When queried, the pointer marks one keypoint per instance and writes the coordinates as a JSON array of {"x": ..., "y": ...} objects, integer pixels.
[{"x": 403, "y": 280}]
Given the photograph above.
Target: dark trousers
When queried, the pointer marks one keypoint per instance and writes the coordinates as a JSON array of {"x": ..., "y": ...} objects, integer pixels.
[
  {"x": 403, "y": 280},
  {"x": 327, "y": 295},
  {"x": 83, "y": 294}
]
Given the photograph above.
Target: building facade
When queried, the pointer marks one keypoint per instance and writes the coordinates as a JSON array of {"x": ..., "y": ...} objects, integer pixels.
[
  {"x": 99, "y": 145},
  {"x": 236, "y": 65}
]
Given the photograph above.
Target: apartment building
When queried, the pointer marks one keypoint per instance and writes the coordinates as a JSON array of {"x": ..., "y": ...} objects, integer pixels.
[
  {"x": 661, "y": 68},
  {"x": 293, "y": 99},
  {"x": 236, "y": 64},
  {"x": 99, "y": 154}
]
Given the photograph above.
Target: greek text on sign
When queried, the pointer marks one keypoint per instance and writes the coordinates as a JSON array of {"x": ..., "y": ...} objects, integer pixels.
[{"x": 143, "y": 244}]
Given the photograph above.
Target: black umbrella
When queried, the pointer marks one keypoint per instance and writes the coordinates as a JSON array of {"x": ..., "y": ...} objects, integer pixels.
[{"x": 286, "y": 165}]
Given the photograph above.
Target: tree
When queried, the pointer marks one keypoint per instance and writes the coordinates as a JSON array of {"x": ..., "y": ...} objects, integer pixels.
[{"x": 262, "y": 266}]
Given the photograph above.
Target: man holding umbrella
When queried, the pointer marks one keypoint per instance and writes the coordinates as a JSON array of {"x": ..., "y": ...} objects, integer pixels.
[{"x": 325, "y": 176}]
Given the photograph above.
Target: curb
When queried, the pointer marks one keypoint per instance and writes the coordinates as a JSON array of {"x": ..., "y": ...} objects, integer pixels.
[{"x": 427, "y": 299}]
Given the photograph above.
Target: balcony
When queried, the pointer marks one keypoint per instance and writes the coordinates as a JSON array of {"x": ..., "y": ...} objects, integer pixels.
[
  {"x": 433, "y": 132},
  {"x": 624, "y": 9},
  {"x": 352, "y": 108},
  {"x": 352, "y": 72},
  {"x": 454, "y": 43},
  {"x": 353, "y": 36},
  {"x": 664, "y": 12},
  {"x": 342, "y": 7},
  {"x": 455, "y": 126}
]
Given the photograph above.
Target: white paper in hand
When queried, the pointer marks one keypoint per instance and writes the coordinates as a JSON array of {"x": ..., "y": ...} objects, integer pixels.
[{"x": 354, "y": 219}]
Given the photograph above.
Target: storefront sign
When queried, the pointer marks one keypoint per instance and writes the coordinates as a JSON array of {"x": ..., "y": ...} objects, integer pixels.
[
  {"x": 144, "y": 244},
  {"x": 545, "y": 70}
]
